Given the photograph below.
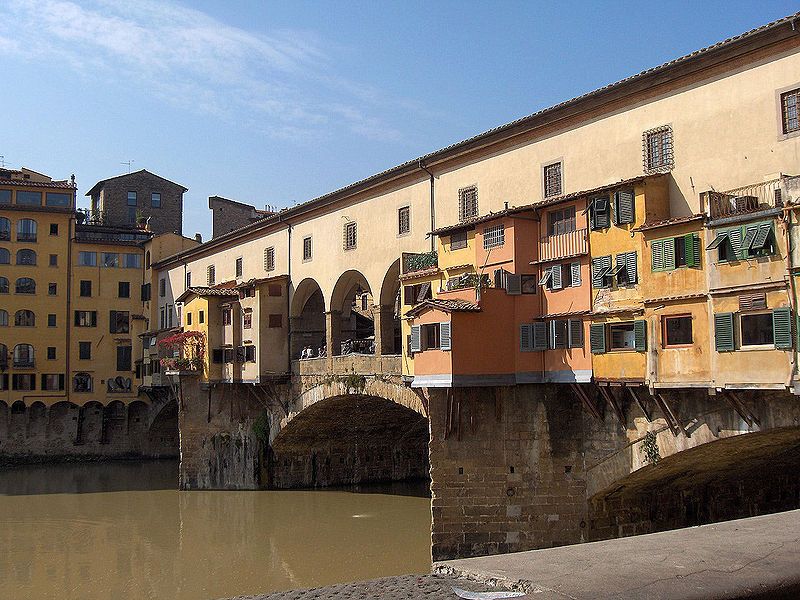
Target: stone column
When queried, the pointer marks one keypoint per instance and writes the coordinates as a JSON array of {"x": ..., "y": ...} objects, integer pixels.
[
  {"x": 333, "y": 333},
  {"x": 296, "y": 341},
  {"x": 383, "y": 318}
]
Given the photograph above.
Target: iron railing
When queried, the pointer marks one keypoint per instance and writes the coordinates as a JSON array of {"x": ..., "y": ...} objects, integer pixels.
[{"x": 743, "y": 200}]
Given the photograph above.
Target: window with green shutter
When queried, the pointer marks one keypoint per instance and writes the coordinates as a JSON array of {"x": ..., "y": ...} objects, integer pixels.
[
  {"x": 575, "y": 333},
  {"x": 624, "y": 207},
  {"x": 640, "y": 335},
  {"x": 723, "y": 332},
  {"x": 671, "y": 253},
  {"x": 782, "y": 328},
  {"x": 597, "y": 338},
  {"x": 599, "y": 210}
]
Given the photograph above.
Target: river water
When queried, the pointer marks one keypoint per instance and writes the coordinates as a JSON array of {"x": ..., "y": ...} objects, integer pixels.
[{"x": 122, "y": 531}]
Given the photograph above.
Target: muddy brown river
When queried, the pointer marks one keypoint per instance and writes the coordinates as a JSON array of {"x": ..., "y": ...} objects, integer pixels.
[{"x": 123, "y": 531}]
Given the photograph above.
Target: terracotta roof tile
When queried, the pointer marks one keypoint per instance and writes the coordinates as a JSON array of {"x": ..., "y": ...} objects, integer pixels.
[
  {"x": 667, "y": 222},
  {"x": 454, "y": 305}
]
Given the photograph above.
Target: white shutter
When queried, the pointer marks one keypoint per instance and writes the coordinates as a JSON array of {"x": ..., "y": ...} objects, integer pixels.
[
  {"x": 555, "y": 279},
  {"x": 575, "y": 269},
  {"x": 416, "y": 336},
  {"x": 444, "y": 336}
]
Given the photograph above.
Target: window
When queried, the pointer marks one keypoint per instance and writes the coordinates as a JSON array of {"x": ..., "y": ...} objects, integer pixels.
[
  {"x": 82, "y": 382},
  {"x": 29, "y": 198},
  {"x": 53, "y": 228},
  {"x": 3, "y": 285},
  {"x": 350, "y": 235},
  {"x": 609, "y": 337},
  {"x": 672, "y": 253},
  {"x": 201, "y": 316},
  {"x": 275, "y": 290},
  {"x": 131, "y": 198},
  {"x": 561, "y": 221},
  {"x": 789, "y": 115},
  {"x": 467, "y": 203},
  {"x": 188, "y": 279},
  {"x": 458, "y": 240},
  {"x": 658, "y": 149},
  {"x": 147, "y": 260},
  {"x": 145, "y": 292},
  {"x": 414, "y": 294},
  {"x": 162, "y": 287},
  {"x": 247, "y": 320},
  {"x": 26, "y": 257},
  {"x": 163, "y": 318},
  {"x": 601, "y": 272},
  {"x": 124, "y": 289},
  {"x": 5, "y": 229},
  {"x": 52, "y": 289},
  {"x": 85, "y": 288},
  {"x": 155, "y": 199},
  {"x": 216, "y": 356},
  {"x": 87, "y": 259},
  {"x": 307, "y": 248},
  {"x": 625, "y": 269},
  {"x": 275, "y": 321},
  {"x": 494, "y": 236},
  {"x": 5, "y": 196},
  {"x": 677, "y": 330},
  {"x": 132, "y": 214},
  {"x": 119, "y": 321},
  {"x": 239, "y": 266},
  {"x": 226, "y": 316},
  {"x": 528, "y": 284},
  {"x": 247, "y": 292},
  {"x": 552, "y": 180},
  {"x": 168, "y": 308},
  {"x": 85, "y": 318},
  {"x": 430, "y": 336},
  {"x": 24, "y": 318},
  {"x": 250, "y": 354},
  {"x": 51, "y": 320},
  {"x": 624, "y": 207},
  {"x": 110, "y": 259},
  {"x": 54, "y": 260},
  {"x": 51, "y": 353},
  {"x": 26, "y": 230},
  {"x": 599, "y": 213},
  {"x": 132, "y": 261},
  {"x": 124, "y": 358},
  {"x": 52, "y": 383},
  {"x": 23, "y": 382},
  {"x": 5, "y": 257},
  {"x": 756, "y": 330},
  {"x": 57, "y": 199},
  {"x": 741, "y": 243},
  {"x": 227, "y": 355},
  {"x": 188, "y": 318},
  {"x": 403, "y": 220},
  {"x": 23, "y": 355},
  {"x": 3, "y": 318},
  {"x": 25, "y": 285},
  {"x": 269, "y": 259},
  {"x": 621, "y": 336},
  {"x": 211, "y": 275}
]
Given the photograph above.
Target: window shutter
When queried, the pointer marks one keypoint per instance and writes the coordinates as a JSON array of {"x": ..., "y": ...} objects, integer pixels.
[
  {"x": 597, "y": 272},
  {"x": 555, "y": 278},
  {"x": 761, "y": 237},
  {"x": 669, "y": 254},
  {"x": 112, "y": 322},
  {"x": 735, "y": 236},
  {"x": 525, "y": 334},
  {"x": 513, "y": 284},
  {"x": 539, "y": 336},
  {"x": 723, "y": 332},
  {"x": 499, "y": 278},
  {"x": 624, "y": 207},
  {"x": 597, "y": 338},
  {"x": 444, "y": 336},
  {"x": 695, "y": 251},
  {"x": 640, "y": 335},
  {"x": 61, "y": 381},
  {"x": 551, "y": 330},
  {"x": 688, "y": 244},
  {"x": 423, "y": 291},
  {"x": 782, "y": 328},
  {"x": 575, "y": 269},
  {"x": 657, "y": 255},
  {"x": 415, "y": 338},
  {"x": 575, "y": 333},
  {"x": 630, "y": 266}
]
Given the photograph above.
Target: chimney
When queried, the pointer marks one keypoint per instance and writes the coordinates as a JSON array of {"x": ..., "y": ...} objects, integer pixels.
[{"x": 198, "y": 238}]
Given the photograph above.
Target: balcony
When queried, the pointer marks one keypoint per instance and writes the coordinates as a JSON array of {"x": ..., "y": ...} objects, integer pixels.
[
  {"x": 571, "y": 243},
  {"x": 744, "y": 200},
  {"x": 413, "y": 262}
]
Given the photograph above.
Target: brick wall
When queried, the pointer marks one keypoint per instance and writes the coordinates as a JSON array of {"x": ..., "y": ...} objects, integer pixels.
[{"x": 167, "y": 219}]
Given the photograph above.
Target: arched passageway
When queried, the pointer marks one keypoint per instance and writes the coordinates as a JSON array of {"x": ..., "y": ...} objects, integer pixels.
[
  {"x": 387, "y": 316},
  {"x": 731, "y": 478},
  {"x": 350, "y": 439},
  {"x": 307, "y": 319},
  {"x": 352, "y": 315}
]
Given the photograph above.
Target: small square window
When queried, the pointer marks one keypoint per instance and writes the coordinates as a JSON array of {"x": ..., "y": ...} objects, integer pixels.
[
  {"x": 51, "y": 353},
  {"x": 86, "y": 289},
  {"x": 621, "y": 336},
  {"x": 53, "y": 228},
  {"x": 307, "y": 248},
  {"x": 131, "y": 198},
  {"x": 458, "y": 240},
  {"x": 552, "y": 180},
  {"x": 51, "y": 320},
  {"x": 677, "y": 331},
  {"x": 789, "y": 114},
  {"x": 52, "y": 289},
  {"x": 403, "y": 220},
  {"x": 155, "y": 200},
  {"x": 757, "y": 330},
  {"x": 275, "y": 321}
]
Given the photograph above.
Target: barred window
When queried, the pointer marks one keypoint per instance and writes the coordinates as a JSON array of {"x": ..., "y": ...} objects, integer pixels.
[
  {"x": 789, "y": 116},
  {"x": 350, "y": 235},
  {"x": 307, "y": 248},
  {"x": 552, "y": 180},
  {"x": 239, "y": 266},
  {"x": 247, "y": 320},
  {"x": 657, "y": 149},
  {"x": 403, "y": 220},
  {"x": 494, "y": 236},
  {"x": 269, "y": 259},
  {"x": 458, "y": 240},
  {"x": 467, "y": 203},
  {"x": 212, "y": 275}
]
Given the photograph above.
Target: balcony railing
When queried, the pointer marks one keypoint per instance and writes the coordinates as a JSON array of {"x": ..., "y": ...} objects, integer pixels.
[
  {"x": 413, "y": 262},
  {"x": 572, "y": 243},
  {"x": 26, "y": 236},
  {"x": 24, "y": 363},
  {"x": 743, "y": 200}
]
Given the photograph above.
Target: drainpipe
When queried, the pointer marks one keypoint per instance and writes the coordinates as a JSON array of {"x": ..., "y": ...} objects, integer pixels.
[
  {"x": 433, "y": 204},
  {"x": 288, "y": 303},
  {"x": 69, "y": 322}
]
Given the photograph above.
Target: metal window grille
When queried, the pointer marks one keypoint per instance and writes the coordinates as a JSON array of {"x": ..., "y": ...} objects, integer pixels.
[
  {"x": 658, "y": 149},
  {"x": 239, "y": 266},
  {"x": 212, "y": 275},
  {"x": 467, "y": 203},
  {"x": 494, "y": 236},
  {"x": 350, "y": 235},
  {"x": 789, "y": 102},
  {"x": 269, "y": 259},
  {"x": 247, "y": 321},
  {"x": 552, "y": 180},
  {"x": 403, "y": 220},
  {"x": 307, "y": 248},
  {"x": 458, "y": 240}
]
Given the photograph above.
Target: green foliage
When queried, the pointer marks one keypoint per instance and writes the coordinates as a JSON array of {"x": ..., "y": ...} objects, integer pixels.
[
  {"x": 650, "y": 448},
  {"x": 420, "y": 262},
  {"x": 261, "y": 428}
]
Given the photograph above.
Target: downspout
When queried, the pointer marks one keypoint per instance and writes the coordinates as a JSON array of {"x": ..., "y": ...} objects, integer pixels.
[
  {"x": 69, "y": 322},
  {"x": 433, "y": 203},
  {"x": 288, "y": 303}
]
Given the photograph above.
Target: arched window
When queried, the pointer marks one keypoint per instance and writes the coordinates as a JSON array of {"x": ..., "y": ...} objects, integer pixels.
[
  {"x": 3, "y": 357},
  {"x": 26, "y": 230},
  {"x": 3, "y": 318},
  {"x": 3, "y": 285},
  {"x": 5, "y": 229},
  {"x": 23, "y": 355},
  {"x": 82, "y": 382},
  {"x": 25, "y": 285},
  {"x": 26, "y": 257},
  {"x": 147, "y": 260},
  {"x": 5, "y": 257},
  {"x": 24, "y": 318}
]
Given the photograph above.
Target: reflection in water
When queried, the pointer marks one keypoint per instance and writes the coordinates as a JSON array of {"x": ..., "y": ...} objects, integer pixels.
[{"x": 122, "y": 531}]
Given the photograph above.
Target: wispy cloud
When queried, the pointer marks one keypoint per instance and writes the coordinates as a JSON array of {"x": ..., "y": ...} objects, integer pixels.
[{"x": 280, "y": 82}]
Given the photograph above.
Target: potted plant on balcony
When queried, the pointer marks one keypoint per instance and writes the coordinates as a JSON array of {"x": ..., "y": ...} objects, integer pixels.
[{"x": 188, "y": 349}]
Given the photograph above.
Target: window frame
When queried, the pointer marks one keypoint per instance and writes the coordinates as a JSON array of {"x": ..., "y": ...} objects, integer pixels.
[
  {"x": 468, "y": 207},
  {"x": 238, "y": 267},
  {"x": 783, "y": 126},
  {"x": 664, "y": 335},
  {"x": 666, "y": 147},
  {"x": 404, "y": 220},
  {"x": 308, "y": 248},
  {"x": 609, "y": 337},
  {"x": 494, "y": 236},
  {"x": 132, "y": 195},
  {"x": 552, "y": 188},
  {"x": 739, "y": 317},
  {"x": 350, "y": 235},
  {"x": 153, "y": 196}
]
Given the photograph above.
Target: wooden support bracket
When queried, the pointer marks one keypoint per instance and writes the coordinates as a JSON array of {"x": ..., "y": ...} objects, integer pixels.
[
  {"x": 587, "y": 401},
  {"x": 613, "y": 402},
  {"x": 741, "y": 408},
  {"x": 673, "y": 422},
  {"x": 647, "y": 414}
]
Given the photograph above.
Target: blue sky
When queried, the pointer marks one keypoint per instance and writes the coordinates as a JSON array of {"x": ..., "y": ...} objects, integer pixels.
[{"x": 276, "y": 103}]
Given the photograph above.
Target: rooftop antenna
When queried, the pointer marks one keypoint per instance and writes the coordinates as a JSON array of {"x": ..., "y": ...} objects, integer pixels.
[
  {"x": 129, "y": 163},
  {"x": 2, "y": 161}
]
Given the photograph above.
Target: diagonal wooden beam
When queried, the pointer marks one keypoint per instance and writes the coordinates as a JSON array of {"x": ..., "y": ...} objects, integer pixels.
[
  {"x": 741, "y": 408},
  {"x": 615, "y": 405},
  {"x": 673, "y": 422},
  {"x": 647, "y": 414},
  {"x": 587, "y": 401}
]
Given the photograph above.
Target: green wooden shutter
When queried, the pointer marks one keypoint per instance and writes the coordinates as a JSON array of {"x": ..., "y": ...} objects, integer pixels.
[
  {"x": 735, "y": 237},
  {"x": 688, "y": 243},
  {"x": 575, "y": 333},
  {"x": 723, "y": 332},
  {"x": 640, "y": 335},
  {"x": 624, "y": 207},
  {"x": 696, "y": 260},
  {"x": 669, "y": 254},
  {"x": 657, "y": 255},
  {"x": 597, "y": 272},
  {"x": 539, "y": 336},
  {"x": 782, "y": 328},
  {"x": 597, "y": 338}
]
